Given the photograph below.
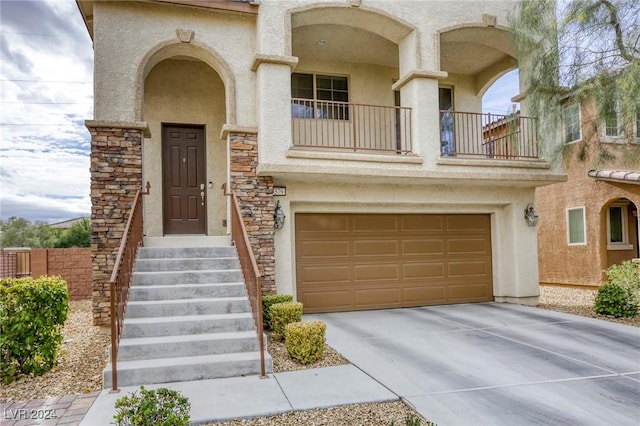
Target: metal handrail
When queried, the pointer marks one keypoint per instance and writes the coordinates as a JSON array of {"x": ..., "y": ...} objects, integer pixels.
[
  {"x": 503, "y": 137},
  {"x": 350, "y": 126},
  {"x": 120, "y": 281},
  {"x": 250, "y": 272}
]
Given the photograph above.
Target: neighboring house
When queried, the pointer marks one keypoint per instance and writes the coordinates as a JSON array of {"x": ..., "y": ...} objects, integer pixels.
[
  {"x": 590, "y": 222},
  {"x": 360, "y": 118}
]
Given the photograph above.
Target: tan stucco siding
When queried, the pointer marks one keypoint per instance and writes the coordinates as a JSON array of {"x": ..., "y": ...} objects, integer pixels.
[
  {"x": 185, "y": 92},
  {"x": 127, "y": 32}
]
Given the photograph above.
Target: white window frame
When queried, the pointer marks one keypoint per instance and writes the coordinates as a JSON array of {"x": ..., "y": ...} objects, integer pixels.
[
  {"x": 620, "y": 136},
  {"x": 565, "y": 111},
  {"x": 624, "y": 244},
  {"x": 584, "y": 226}
]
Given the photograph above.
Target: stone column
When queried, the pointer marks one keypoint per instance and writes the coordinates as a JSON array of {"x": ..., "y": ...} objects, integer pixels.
[
  {"x": 255, "y": 195},
  {"x": 116, "y": 175}
]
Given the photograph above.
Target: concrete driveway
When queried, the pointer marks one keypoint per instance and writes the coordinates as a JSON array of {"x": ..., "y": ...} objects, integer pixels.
[{"x": 497, "y": 364}]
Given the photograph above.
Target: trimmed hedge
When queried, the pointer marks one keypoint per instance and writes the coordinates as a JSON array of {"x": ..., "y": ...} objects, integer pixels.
[
  {"x": 32, "y": 314},
  {"x": 269, "y": 300},
  {"x": 305, "y": 340},
  {"x": 284, "y": 313}
]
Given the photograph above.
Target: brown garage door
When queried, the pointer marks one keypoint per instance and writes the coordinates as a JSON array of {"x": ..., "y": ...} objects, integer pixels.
[{"x": 347, "y": 262}]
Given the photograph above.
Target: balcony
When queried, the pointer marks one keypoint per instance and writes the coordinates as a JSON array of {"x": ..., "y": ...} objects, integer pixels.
[
  {"x": 475, "y": 135},
  {"x": 346, "y": 126}
]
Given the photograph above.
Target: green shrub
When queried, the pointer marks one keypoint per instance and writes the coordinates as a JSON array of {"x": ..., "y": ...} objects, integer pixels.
[
  {"x": 620, "y": 297},
  {"x": 284, "y": 313},
  {"x": 615, "y": 300},
  {"x": 164, "y": 407},
  {"x": 32, "y": 313},
  {"x": 305, "y": 340},
  {"x": 269, "y": 300}
]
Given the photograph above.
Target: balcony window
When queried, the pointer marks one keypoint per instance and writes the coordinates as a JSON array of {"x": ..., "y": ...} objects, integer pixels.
[
  {"x": 571, "y": 118},
  {"x": 613, "y": 121},
  {"x": 328, "y": 96}
]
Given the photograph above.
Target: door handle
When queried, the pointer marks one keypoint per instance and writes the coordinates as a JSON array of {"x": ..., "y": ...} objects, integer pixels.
[{"x": 202, "y": 192}]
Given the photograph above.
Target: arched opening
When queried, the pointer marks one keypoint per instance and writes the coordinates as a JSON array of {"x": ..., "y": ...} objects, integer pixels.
[{"x": 185, "y": 105}]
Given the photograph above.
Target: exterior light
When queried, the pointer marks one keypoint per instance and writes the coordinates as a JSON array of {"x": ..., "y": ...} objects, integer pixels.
[
  {"x": 278, "y": 216},
  {"x": 531, "y": 215}
]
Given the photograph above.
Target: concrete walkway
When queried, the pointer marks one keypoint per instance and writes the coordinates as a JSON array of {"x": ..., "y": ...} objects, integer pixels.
[
  {"x": 239, "y": 397},
  {"x": 497, "y": 364}
]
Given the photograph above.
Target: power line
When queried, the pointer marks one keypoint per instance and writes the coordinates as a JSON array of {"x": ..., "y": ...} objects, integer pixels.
[
  {"x": 10, "y": 80},
  {"x": 46, "y": 103},
  {"x": 41, "y": 125}
]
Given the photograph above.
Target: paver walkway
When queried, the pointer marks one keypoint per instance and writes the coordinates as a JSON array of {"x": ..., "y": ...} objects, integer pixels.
[{"x": 66, "y": 410}]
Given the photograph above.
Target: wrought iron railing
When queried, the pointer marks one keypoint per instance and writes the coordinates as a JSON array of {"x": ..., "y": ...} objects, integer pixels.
[
  {"x": 476, "y": 135},
  {"x": 120, "y": 281},
  {"x": 250, "y": 271},
  {"x": 351, "y": 127}
]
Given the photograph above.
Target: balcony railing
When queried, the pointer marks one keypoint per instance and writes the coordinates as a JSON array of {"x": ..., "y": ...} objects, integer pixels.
[
  {"x": 476, "y": 135},
  {"x": 351, "y": 127}
]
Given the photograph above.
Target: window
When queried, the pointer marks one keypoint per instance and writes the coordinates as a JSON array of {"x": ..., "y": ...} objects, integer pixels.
[
  {"x": 617, "y": 227},
  {"x": 612, "y": 121},
  {"x": 575, "y": 226},
  {"x": 571, "y": 117},
  {"x": 319, "y": 96}
]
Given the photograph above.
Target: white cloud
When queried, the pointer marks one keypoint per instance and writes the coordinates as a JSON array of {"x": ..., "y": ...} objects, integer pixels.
[
  {"x": 45, "y": 96},
  {"x": 498, "y": 98}
]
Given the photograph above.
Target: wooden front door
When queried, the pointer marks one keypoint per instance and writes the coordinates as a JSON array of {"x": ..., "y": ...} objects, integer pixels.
[{"x": 184, "y": 180}]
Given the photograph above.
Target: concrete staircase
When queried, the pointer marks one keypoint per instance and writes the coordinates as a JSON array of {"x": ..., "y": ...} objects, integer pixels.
[{"x": 188, "y": 318}]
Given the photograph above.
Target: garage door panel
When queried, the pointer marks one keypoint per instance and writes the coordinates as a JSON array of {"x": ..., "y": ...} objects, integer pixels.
[
  {"x": 323, "y": 223},
  {"x": 422, "y": 247},
  {"x": 467, "y": 222},
  {"x": 328, "y": 300},
  {"x": 468, "y": 246},
  {"x": 425, "y": 295},
  {"x": 421, "y": 223},
  {"x": 375, "y": 223},
  {"x": 468, "y": 269},
  {"x": 376, "y": 297},
  {"x": 325, "y": 274},
  {"x": 361, "y": 261},
  {"x": 376, "y": 272},
  {"x": 375, "y": 248},
  {"x": 320, "y": 249},
  {"x": 423, "y": 270}
]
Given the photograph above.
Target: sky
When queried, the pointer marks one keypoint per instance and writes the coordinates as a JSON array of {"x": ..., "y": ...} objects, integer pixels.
[{"x": 46, "y": 94}]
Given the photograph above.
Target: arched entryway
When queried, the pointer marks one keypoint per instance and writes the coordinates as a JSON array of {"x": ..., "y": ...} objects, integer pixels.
[{"x": 620, "y": 228}]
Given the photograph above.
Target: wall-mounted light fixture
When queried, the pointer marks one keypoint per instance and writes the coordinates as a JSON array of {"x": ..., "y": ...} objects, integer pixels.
[
  {"x": 278, "y": 216},
  {"x": 531, "y": 215}
]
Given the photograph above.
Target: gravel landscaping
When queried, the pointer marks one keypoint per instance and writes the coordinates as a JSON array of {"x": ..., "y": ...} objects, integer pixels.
[{"x": 85, "y": 353}]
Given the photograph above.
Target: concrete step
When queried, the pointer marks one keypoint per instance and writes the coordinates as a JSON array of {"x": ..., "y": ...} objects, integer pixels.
[
  {"x": 188, "y": 241},
  {"x": 142, "y": 348},
  {"x": 188, "y": 324},
  {"x": 187, "y": 264},
  {"x": 185, "y": 252},
  {"x": 167, "y": 370},
  {"x": 182, "y": 307},
  {"x": 187, "y": 291},
  {"x": 187, "y": 277}
]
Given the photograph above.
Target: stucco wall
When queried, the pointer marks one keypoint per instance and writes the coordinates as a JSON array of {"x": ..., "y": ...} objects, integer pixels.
[{"x": 186, "y": 92}]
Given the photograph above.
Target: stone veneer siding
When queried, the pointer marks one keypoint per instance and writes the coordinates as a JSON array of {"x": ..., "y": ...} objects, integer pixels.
[
  {"x": 116, "y": 175},
  {"x": 255, "y": 195}
]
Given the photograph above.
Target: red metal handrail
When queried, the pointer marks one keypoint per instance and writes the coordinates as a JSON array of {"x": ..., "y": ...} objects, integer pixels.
[
  {"x": 505, "y": 137},
  {"x": 120, "y": 281},
  {"x": 250, "y": 271},
  {"x": 350, "y": 126}
]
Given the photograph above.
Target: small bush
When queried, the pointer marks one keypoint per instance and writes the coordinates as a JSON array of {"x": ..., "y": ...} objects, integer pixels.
[
  {"x": 305, "y": 340},
  {"x": 32, "y": 314},
  {"x": 269, "y": 300},
  {"x": 615, "y": 300},
  {"x": 620, "y": 297},
  {"x": 284, "y": 313},
  {"x": 162, "y": 406}
]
